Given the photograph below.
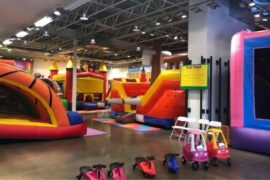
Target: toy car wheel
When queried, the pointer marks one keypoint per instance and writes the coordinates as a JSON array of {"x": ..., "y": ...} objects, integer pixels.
[
  {"x": 205, "y": 165},
  {"x": 134, "y": 166},
  {"x": 229, "y": 163},
  {"x": 164, "y": 162},
  {"x": 183, "y": 160},
  {"x": 215, "y": 162},
  {"x": 195, "y": 166},
  {"x": 109, "y": 173},
  {"x": 145, "y": 175}
]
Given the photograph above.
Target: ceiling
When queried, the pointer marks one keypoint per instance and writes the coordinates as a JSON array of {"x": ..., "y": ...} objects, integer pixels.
[
  {"x": 17, "y": 14},
  {"x": 110, "y": 22},
  {"x": 241, "y": 10}
]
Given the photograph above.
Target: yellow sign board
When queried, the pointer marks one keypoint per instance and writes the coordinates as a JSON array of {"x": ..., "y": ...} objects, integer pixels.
[{"x": 194, "y": 76}]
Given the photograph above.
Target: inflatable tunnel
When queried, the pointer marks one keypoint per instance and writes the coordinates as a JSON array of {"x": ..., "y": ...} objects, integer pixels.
[
  {"x": 163, "y": 101},
  {"x": 30, "y": 109}
]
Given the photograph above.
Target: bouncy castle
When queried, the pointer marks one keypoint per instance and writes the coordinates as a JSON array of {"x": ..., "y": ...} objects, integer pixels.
[
  {"x": 158, "y": 104},
  {"x": 250, "y": 91},
  {"x": 30, "y": 109}
]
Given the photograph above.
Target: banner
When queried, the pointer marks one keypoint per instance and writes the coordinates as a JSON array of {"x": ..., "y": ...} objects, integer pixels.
[{"x": 194, "y": 76}]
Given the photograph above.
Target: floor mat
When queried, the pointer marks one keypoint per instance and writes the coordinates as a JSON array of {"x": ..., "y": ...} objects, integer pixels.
[
  {"x": 93, "y": 132},
  {"x": 92, "y": 111},
  {"x": 134, "y": 126}
]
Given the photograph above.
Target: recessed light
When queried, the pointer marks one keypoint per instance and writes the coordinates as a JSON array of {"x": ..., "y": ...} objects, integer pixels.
[
  {"x": 57, "y": 12},
  {"x": 264, "y": 19},
  {"x": 83, "y": 17},
  {"x": 138, "y": 48},
  {"x": 251, "y": 4},
  {"x": 136, "y": 29},
  {"x": 152, "y": 34},
  {"x": 143, "y": 32},
  {"x": 175, "y": 38},
  {"x": 257, "y": 15},
  {"x": 21, "y": 34},
  {"x": 157, "y": 23},
  {"x": 7, "y": 42},
  {"x": 184, "y": 16},
  {"x": 43, "y": 21}
]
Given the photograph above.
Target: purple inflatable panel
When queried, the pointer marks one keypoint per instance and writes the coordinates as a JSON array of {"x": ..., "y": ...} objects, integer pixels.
[{"x": 250, "y": 139}]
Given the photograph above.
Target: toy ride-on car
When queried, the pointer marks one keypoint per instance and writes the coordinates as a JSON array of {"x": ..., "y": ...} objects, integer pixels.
[
  {"x": 171, "y": 161},
  {"x": 146, "y": 166},
  {"x": 217, "y": 146},
  {"x": 116, "y": 171},
  {"x": 92, "y": 173},
  {"x": 194, "y": 149}
]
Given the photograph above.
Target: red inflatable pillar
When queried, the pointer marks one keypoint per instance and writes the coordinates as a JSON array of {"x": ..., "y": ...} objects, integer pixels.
[
  {"x": 68, "y": 86},
  {"x": 53, "y": 70},
  {"x": 143, "y": 75}
]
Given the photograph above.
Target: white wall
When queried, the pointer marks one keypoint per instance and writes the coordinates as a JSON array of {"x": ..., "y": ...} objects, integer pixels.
[
  {"x": 43, "y": 67},
  {"x": 210, "y": 34},
  {"x": 117, "y": 73}
]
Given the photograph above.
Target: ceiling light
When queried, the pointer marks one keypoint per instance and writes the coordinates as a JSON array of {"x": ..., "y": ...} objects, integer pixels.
[
  {"x": 257, "y": 15},
  {"x": 158, "y": 23},
  {"x": 152, "y": 34},
  {"x": 143, "y": 32},
  {"x": 175, "y": 37},
  {"x": 18, "y": 39},
  {"x": 83, "y": 17},
  {"x": 167, "y": 35},
  {"x": 24, "y": 59},
  {"x": 264, "y": 19},
  {"x": 57, "y": 12},
  {"x": 43, "y": 22},
  {"x": 1, "y": 56},
  {"x": 115, "y": 54},
  {"x": 184, "y": 16},
  {"x": 60, "y": 49},
  {"x": 128, "y": 56},
  {"x": 24, "y": 42},
  {"x": 182, "y": 39},
  {"x": 9, "y": 50},
  {"x": 93, "y": 41},
  {"x": 251, "y": 4},
  {"x": 138, "y": 48},
  {"x": 170, "y": 20},
  {"x": 1, "y": 45},
  {"x": 7, "y": 42},
  {"x": 46, "y": 34},
  {"x": 22, "y": 34},
  {"x": 136, "y": 29}
]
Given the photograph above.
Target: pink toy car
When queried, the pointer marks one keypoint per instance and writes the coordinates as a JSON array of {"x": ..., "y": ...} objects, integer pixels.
[
  {"x": 195, "y": 150},
  {"x": 95, "y": 173}
]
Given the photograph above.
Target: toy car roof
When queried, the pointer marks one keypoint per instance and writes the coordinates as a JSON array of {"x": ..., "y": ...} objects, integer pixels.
[
  {"x": 195, "y": 131},
  {"x": 215, "y": 130}
]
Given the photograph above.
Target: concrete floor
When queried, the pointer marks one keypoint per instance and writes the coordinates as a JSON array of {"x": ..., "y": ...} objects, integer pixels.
[{"x": 61, "y": 159}]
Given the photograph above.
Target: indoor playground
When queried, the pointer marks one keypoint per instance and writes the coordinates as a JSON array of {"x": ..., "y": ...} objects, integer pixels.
[{"x": 135, "y": 89}]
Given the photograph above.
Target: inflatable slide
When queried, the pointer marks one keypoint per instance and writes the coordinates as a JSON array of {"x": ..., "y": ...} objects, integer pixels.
[
  {"x": 163, "y": 101},
  {"x": 30, "y": 109}
]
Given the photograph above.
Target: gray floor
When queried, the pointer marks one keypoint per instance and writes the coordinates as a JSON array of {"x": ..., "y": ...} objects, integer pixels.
[{"x": 61, "y": 159}]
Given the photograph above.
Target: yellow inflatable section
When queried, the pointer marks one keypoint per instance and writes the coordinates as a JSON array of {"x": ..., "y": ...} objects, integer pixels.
[{"x": 165, "y": 75}]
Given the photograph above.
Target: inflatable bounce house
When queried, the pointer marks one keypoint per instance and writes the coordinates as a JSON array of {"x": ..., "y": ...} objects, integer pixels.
[
  {"x": 30, "y": 109},
  {"x": 91, "y": 87},
  {"x": 250, "y": 91},
  {"x": 157, "y": 104},
  {"x": 124, "y": 89}
]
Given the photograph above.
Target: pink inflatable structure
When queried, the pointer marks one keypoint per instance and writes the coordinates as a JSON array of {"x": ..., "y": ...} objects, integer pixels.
[{"x": 250, "y": 91}]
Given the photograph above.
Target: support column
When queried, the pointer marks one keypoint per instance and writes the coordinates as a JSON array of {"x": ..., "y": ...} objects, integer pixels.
[
  {"x": 74, "y": 76},
  {"x": 68, "y": 86},
  {"x": 210, "y": 33},
  {"x": 156, "y": 61}
]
